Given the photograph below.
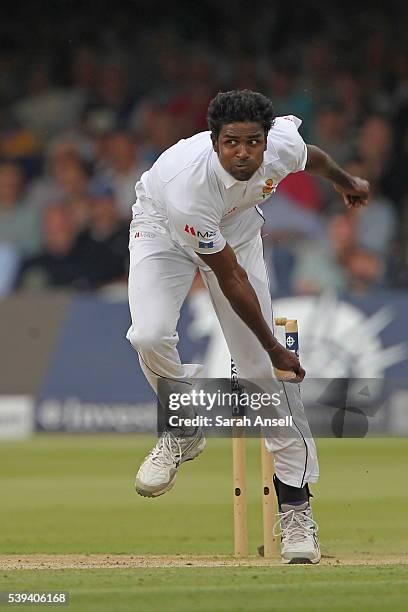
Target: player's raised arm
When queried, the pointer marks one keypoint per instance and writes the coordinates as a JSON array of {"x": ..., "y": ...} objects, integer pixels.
[
  {"x": 235, "y": 285},
  {"x": 354, "y": 189}
]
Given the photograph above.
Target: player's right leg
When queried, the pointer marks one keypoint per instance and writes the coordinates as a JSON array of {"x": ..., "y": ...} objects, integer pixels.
[
  {"x": 160, "y": 277},
  {"x": 158, "y": 471}
]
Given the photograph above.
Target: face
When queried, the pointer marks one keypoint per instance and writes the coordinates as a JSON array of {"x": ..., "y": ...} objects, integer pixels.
[
  {"x": 240, "y": 148},
  {"x": 11, "y": 183}
]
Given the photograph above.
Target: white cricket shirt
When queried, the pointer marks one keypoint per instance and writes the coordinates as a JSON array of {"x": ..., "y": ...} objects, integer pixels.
[{"x": 200, "y": 203}]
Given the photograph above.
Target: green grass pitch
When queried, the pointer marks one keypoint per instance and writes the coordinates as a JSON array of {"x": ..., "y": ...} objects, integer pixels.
[{"x": 74, "y": 495}]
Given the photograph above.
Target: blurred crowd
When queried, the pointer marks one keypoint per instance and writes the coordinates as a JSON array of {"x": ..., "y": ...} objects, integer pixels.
[{"x": 77, "y": 130}]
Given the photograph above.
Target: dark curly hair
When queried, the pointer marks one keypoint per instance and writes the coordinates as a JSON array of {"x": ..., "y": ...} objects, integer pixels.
[{"x": 238, "y": 106}]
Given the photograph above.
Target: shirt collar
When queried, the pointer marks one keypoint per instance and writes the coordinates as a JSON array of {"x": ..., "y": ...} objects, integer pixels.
[
  {"x": 224, "y": 176},
  {"x": 228, "y": 180}
]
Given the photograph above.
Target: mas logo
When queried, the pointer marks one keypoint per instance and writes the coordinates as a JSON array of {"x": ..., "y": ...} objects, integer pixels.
[{"x": 207, "y": 234}]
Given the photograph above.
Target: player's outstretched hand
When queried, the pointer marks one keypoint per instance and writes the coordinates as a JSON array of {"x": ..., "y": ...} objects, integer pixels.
[
  {"x": 282, "y": 359},
  {"x": 355, "y": 196}
]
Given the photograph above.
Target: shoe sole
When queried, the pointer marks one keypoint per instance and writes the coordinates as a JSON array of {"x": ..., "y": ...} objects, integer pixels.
[
  {"x": 151, "y": 494},
  {"x": 300, "y": 561}
]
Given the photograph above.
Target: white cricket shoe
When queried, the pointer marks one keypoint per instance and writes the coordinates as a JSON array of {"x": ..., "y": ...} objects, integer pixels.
[
  {"x": 298, "y": 534},
  {"x": 158, "y": 471}
]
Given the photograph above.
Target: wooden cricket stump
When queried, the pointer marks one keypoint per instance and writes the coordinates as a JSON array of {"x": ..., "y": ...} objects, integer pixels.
[
  {"x": 291, "y": 341},
  {"x": 239, "y": 476},
  {"x": 240, "y": 495},
  {"x": 269, "y": 548}
]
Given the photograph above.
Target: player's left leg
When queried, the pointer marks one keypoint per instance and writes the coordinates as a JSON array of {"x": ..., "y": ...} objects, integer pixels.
[
  {"x": 293, "y": 448},
  {"x": 296, "y": 526}
]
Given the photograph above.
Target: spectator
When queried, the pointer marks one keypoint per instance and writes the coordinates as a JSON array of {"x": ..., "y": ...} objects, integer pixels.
[
  {"x": 287, "y": 93},
  {"x": 321, "y": 265},
  {"x": 112, "y": 102},
  {"x": 287, "y": 227},
  {"x": 365, "y": 271},
  {"x": 344, "y": 261},
  {"x": 376, "y": 224},
  {"x": 85, "y": 261},
  {"x": 20, "y": 145},
  {"x": 348, "y": 86},
  {"x": 123, "y": 171},
  {"x": 59, "y": 264},
  {"x": 46, "y": 110},
  {"x": 67, "y": 176},
  {"x": 376, "y": 149},
  {"x": 331, "y": 131},
  {"x": 103, "y": 246},
  {"x": 20, "y": 226},
  {"x": 319, "y": 58},
  {"x": 83, "y": 71},
  {"x": 157, "y": 128}
]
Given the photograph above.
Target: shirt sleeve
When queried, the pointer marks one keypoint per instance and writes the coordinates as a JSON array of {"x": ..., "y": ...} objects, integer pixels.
[
  {"x": 196, "y": 229},
  {"x": 289, "y": 143}
]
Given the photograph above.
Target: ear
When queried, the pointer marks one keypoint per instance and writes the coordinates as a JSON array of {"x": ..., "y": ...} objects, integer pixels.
[
  {"x": 214, "y": 141},
  {"x": 266, "y": 141}
]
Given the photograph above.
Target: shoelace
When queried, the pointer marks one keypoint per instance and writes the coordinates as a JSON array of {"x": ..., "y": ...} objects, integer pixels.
[
  {"x": 294, "y": 526},
  {"x": 167, "y": 450}
]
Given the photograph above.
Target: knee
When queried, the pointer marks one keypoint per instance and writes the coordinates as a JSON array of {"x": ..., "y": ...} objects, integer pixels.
[{"x": 147, "y": 340}]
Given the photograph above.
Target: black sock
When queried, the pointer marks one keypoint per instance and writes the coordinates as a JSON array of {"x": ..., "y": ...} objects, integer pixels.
[{"x": 290, "y": 495}]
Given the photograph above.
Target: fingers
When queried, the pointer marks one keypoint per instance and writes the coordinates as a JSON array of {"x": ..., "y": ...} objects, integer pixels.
[
  {"x": 300, "y": 374},
  {"x": 292, "y": 373},
  {"x": 354, "y": 201}
]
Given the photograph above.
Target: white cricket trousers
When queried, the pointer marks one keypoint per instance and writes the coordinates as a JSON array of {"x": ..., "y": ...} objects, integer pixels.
[{"x": 160, "y": 276}]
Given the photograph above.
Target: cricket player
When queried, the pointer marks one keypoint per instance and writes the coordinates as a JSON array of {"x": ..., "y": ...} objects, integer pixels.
[{"x": 197, "y": 209}]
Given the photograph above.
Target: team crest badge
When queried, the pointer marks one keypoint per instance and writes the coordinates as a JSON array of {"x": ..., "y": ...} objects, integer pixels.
[{"x": 267, "y": 188}]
